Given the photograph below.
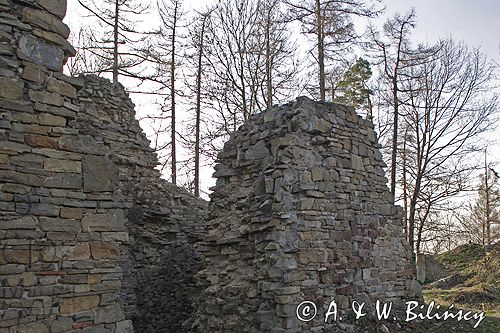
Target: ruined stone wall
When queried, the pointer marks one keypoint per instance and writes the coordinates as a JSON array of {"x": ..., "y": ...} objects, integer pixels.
[
  {"x": 163, "y": 221},
  {"x": 300, "y": 211},
  {"x": 90, "y": 237}
]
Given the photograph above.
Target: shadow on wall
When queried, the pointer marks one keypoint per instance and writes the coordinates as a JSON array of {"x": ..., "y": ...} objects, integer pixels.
[{"x": 166, "y": 291}]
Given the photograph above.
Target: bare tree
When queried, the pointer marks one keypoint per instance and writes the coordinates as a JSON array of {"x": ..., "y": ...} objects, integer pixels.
[
  {"x": 472, "y": 220},
  {"x": 274, "y": 37},
  {"x": 394, "y": 53},
  {"x": 445, "y": 108},
  {"x": 251, "y": 62},
  {"x": 333, "y": 77},
  {"x": 198, "y": 46},
  {"x": 83, "y": 62},
  {"x": 489, "y": 197},
  {"x": 199, "y": 73},
  {"x": 121, "y": 47},
  {"x": 485, "y": 212},
  {"x": 165, "y": 60},
  {"x": 330, "y": 23}
]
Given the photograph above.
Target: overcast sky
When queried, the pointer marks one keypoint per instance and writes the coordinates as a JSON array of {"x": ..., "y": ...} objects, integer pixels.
[{"x": 477, "y": 22}]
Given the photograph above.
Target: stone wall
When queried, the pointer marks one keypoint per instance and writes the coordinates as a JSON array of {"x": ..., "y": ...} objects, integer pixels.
[
  {"x": 92, "y": 240},
  {"x": 90, "y": 237},
  {"x": 163, "y": 221},
  {"x": 300, "y": 211}
]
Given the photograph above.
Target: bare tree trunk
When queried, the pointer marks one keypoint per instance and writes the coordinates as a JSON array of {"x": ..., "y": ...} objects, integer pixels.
[
  {"x": 269, "y": 83},
  {"x": 416, "y": 191},
  {"x": 369, "y": 115},
  {"x": 394, "y": 146},
  {"x": 172, "y": 84},
  {"x": 487, "y": 207},
  {"x": 115, "y": 43},
  {"x": 405, "y": 184},
  {"x": 321, "y": 50},
  {"x": 198, "y": 112}
]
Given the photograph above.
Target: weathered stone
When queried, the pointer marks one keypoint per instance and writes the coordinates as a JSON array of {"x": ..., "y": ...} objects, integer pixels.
[
  {"x": 23, "y": 222},
  {"x": 11, "y": 89},
  {"x": 62, "y": 165},
  {"x": 40, "y": 141},
  {"x": 108, "y": 314},
  {"x": 258, "y": 151},
  {"x": 11, "y": 292},
  {"x": 79, "y": 252},
  {"x": 61, "y": 324},
  {"x": 61, "y": 88},
  {"x": 33, "y": 73},
  {"x": 20, "y": 178},
  {"x": 35, "y": 327},
  {"x": 12, "y": 269},
  {"x": 111, "y": 221},
  {"x": 306, "y": 204},
  {"x": 11, "y": 256},
  {"x": 67, "y": 181},
  {"x": 104, "y": 250},
  {"x": 99, "y": 174},
  {"x": 115, "y": 236},
  {"x": 319, "y": 126},
  {"x": 15, "y": 188},
  {"x": 51, "y": 258},
  {"x": 57, "y": 224},
  {"x": 71, "y": 213},
  {"x": 79, "y": 304},
  {"x": 51, "y": 120},
  {"x": 56, "y": 40},
  {"x": 306, "y": 234},
  {"x": 37, "y": 209},
  {"x": 356, "y": 162},
  {"x": 40, "y": 52},
  {"x": 76, "y": 82},
  {"x": 23, "y": 106},
  {"x": 9, "y": 146},
  {"x": 45, "y": 21},
  {"x": 63, "y": 155},
  {"x": 124, "y": 327},
  {"x": 46, "y": 98},
  {"x": 56, "y": 7},
  {"x": 81, "y": 144},
  {"x": 6, "y": 49},
  {"x": 57, "y": 111}
]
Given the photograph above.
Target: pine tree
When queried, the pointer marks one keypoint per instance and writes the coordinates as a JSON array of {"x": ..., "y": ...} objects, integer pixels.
[{"x": 354, "y": 87}]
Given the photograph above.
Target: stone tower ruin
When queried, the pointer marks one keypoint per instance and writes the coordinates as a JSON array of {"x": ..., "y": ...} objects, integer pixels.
[{"x": 300, "y": 211}]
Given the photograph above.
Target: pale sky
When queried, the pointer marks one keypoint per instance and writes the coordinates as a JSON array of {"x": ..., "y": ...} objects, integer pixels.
[{"x": 477, "y": 22}]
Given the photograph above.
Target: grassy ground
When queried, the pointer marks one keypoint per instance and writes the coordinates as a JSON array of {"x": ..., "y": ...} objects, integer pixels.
[
  {"x": 475, "y": 288},
  {"x": 479, "y": 290}
]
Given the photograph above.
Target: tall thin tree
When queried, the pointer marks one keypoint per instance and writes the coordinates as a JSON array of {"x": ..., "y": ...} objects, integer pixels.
[
  {"x": 122, "y": 47},
  {"x": 394, "y": 54},
  {"x": 166, "y": 57},
  {"x": 330, "y": 22}
]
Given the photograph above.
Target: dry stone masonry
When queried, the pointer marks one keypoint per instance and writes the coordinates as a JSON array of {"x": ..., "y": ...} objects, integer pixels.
[
  {"x": 91, "y": 239},
  {"x": 300, "y": 212},
  {"x": 163, "y": 222}
]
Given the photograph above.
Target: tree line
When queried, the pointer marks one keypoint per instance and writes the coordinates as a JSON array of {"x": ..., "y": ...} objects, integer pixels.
[{"x": 211, "y": 68}]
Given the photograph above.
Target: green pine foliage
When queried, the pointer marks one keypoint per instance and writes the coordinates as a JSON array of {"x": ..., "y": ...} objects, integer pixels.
[{"x": 354, "y": 86}]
